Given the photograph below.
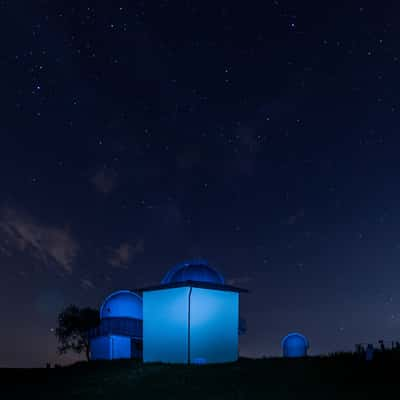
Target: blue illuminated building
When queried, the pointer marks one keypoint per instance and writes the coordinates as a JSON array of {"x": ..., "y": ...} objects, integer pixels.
[
  {"x": 192, "y": 317},
  {"x": 120, "y": 333},
  {"x": 295, "y": 345}
]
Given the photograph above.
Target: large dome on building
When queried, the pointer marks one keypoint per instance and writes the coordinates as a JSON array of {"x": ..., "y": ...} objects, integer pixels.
[
  {"x": 122, "y": 304},
  {"x": 196, "y": 270}
]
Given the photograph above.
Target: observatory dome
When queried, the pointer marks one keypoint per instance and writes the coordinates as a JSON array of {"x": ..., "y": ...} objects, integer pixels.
[
  {"x": 122, "y": 304},
  {"x": 295, "y": 345},
  {"x": 198, "y": 271}
]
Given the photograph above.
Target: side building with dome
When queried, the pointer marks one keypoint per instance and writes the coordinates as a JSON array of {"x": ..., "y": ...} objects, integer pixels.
[
  {"x": 120, "y": 333},
  {"x": 295, "y": 345},
  {"x": 192, "y": 317}
]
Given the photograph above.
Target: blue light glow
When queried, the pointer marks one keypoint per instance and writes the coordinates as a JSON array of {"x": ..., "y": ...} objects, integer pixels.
[{"x": 199, "y": 361}]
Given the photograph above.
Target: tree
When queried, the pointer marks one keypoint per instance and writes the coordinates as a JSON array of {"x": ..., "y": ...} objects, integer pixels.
[{"x": 73, "y": 328}]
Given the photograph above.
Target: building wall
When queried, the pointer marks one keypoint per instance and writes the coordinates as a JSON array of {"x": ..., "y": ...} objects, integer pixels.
[
  {"x": 110, "y": 347},
  {"x": 121, "y": 347},
  {"x": 214, "y": 326},
  {"x": 165, "y": 319},
  {"x": 118, "y": 326},
  {"x": 100, "y": 348},
  {"x": 214, "y": 319}
]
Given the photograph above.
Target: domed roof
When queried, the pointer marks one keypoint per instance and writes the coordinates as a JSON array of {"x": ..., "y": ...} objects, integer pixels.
[
  {"x": 196, "y": 270},
  {"x": 295, "y": 345},
  {"x": 122, "y": 303}
]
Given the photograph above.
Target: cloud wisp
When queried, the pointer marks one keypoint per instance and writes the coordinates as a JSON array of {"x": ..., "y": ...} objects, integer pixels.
[
  {"x": 49, "y": 244},
  {"x": 87, "y": 284},
  {"x": 104, "y": 181},
  {"x": 240, "y": 280},
  {"x": 124, "y": 254}
]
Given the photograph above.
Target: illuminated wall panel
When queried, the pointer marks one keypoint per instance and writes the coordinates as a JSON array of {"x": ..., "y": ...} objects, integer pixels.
[
  {"x": 110, "y": 347},
  {"x": 214, "y": 318},
  {"x": 121, "y": 347},
  {"x": 165, "y": 322}
]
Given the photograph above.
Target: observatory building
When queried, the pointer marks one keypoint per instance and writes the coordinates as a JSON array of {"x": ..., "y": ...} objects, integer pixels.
[
  {"x": 119, "y": 334},
  {"x": 295, "y": 345},
  {"x": 192, "y": 317}
]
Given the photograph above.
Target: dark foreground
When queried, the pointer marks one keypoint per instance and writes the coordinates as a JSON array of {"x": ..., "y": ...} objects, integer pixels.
[{"x": 340, "y": 377}]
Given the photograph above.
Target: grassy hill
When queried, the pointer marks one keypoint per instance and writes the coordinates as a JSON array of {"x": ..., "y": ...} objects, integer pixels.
[{"x": 337, "y": 377}]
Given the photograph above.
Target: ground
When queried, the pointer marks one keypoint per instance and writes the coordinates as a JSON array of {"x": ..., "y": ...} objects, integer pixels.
[{"x": 339, "y": 377}]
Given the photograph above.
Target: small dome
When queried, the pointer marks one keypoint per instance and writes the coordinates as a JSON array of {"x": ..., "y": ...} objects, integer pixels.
[
  {"x": 295, "y": 345},
  {"x": 198, "y": 271},
  {"x": 123, "y": 303}
]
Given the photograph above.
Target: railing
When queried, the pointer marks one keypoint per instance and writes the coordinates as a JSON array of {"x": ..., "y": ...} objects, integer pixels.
[
  {"x": 118, "y": 326},
  {"x": 381, "y": 345}
]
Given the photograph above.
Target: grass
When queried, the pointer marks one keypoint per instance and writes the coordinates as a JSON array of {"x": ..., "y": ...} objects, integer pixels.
[{"x": 339, "y": 376}]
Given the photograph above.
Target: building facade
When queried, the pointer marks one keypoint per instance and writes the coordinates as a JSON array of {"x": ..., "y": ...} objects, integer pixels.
[
  {"x": 192, "y": 317},
  {"x": 120, "y": 333}
]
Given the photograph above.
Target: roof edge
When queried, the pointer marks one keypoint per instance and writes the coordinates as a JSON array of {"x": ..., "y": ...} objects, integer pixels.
[{"x": 197, "y": 284}]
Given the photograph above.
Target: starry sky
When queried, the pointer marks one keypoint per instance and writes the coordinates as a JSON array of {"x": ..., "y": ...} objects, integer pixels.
[{"x": 262, "y": 137}]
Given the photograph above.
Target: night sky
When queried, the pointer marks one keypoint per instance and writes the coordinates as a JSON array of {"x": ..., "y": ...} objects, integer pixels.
[{"x": 263, "y": 137}]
